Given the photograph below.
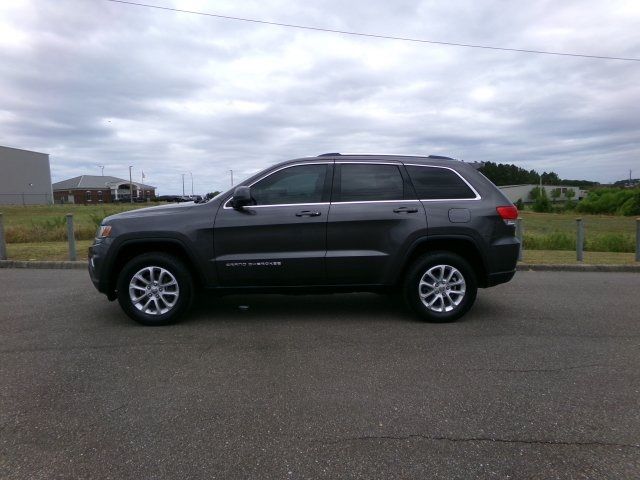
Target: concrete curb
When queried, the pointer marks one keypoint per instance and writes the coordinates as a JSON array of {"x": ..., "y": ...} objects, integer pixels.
[
  {"x": 67, "y": 265},
  {"x": 540, "y": 267},
  {"x": 522, "y": 267}
]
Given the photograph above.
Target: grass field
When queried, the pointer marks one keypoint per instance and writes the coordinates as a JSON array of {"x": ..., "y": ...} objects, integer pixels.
[
  {"x": 47, "y": 250},
  {"x": 555, "y": 257},
  {"x": 39, "y": 233},
  {"x": 557, "y": 231},
  {"x": 47, "y": 223}
]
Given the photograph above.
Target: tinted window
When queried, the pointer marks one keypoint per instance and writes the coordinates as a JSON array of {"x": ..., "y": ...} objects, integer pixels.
[
  {"x": 300, "y": 184},
  {"x": 438, "y": 183},
  {"x": 370, "y": 182}
]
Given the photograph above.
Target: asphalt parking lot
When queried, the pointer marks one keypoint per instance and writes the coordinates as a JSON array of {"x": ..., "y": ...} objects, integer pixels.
[{"x": 540, "y": 380}]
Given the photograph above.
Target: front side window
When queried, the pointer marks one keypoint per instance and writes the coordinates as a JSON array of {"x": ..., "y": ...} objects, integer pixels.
[
  {"x": 367, "y": 182},
  {"x": 299, "y": 184},
  {"x": 434, "y": 183}
]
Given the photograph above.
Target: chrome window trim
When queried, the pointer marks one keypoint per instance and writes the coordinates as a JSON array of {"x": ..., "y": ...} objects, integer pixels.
[
  {"x": 475, "y": 192},
  {"x": 375, "y": 201},
  {"x": 326, "y": 162}
]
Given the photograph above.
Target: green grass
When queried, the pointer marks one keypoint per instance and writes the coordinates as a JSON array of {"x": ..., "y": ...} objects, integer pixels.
[
  {"x": 47, "y": 223},
  {"x": 554, "y": 257},
  {"x": 46, "y": 250},
  {"x": 557, "y": 231}
]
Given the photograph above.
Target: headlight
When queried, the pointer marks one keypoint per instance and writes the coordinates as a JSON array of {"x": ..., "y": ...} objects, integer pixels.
[{"x": 104, "y": 231}]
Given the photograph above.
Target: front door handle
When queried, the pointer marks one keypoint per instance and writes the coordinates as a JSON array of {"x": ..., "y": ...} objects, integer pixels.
[
  {"x": 308, "y": 213},
  {"x": 405, "y": 210}
]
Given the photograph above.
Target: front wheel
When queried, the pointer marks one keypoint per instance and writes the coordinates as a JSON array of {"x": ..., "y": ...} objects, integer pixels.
[
  {"x": 440, "y": 287},
  {"x": 155, "y": 289}
]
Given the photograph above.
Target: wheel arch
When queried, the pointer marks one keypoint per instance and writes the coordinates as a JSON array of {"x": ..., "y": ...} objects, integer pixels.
[
  {"x": 132, "y": 248},
  {"x": 464, "y": 246}
]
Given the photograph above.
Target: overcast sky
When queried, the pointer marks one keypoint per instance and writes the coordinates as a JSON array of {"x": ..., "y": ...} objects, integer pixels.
[{"x": 98, "y": 83}]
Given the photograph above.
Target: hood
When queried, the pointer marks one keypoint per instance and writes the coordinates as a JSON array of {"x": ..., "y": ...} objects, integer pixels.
[{"x": 151, "y": 211}]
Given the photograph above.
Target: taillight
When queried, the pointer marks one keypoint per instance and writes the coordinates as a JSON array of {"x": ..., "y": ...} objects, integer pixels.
[{"x": 508, "y": 213}]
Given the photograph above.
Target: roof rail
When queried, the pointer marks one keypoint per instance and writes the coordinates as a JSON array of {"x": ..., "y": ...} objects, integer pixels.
[{"x": 336, "y": 154}]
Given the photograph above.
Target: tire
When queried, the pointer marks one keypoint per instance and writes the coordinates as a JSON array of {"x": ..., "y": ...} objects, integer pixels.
[
  {"x": 166, "y": 300},
  {"x": 449, "y": 301}
]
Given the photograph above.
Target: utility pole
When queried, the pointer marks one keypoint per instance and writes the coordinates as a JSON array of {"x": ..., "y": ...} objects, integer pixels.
[
  {"x": 130, "y": 185},
  {"x": 191, "y": 183},
  {"x": 231, "y": 171},
  {"x": 183, "y": 184},
  {"x": 101, "y": 167}
]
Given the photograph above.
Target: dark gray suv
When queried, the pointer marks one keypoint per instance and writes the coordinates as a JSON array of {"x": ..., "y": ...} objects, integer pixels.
[{"x": 432, "y": 228}]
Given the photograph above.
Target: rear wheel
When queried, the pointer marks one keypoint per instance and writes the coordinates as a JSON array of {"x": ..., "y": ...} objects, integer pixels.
[
  {"x": 440, "y": 287},
  {"x": 155, "y": 289}
]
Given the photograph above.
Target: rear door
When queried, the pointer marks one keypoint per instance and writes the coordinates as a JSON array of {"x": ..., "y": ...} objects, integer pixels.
[
  {"x": 374, "y": 216},
  {"x": 281, "y": 240}
]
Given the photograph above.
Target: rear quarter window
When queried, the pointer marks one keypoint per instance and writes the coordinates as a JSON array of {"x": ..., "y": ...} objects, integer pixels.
[{"x": 435, "y": 183}]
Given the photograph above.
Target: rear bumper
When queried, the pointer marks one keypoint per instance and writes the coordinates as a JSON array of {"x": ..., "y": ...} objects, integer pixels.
[
  {"x": 503, "y": 257},
  {"x": 499, "y": 277}
]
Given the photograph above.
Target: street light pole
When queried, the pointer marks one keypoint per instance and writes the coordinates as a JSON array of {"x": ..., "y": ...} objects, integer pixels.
[
  {"x": 130, "y": 185},
  {"x": 231, "y": 171},
  {"x": 183, "y": 184},
  {"x": 191, "y": 183}
]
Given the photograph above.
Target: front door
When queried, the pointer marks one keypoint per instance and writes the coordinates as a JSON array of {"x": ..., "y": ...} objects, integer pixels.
[{"x": 281, "y": 239}]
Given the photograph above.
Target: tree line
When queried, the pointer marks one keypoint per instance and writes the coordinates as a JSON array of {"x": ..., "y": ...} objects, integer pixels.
[{"x": 509, "y": 174}]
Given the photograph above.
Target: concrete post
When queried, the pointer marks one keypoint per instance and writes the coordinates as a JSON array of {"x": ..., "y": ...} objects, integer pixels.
[
  {"x": 580, "y": 240},
  {"x": 637, "y": 239},
  {"x": 3, "y": 245},
  {"x": 71, "y": 237},
  {"x": 520, "y": 235}
]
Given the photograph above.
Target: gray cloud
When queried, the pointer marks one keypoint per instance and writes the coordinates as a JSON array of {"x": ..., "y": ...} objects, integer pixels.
[{"x": 93, "y": 82}]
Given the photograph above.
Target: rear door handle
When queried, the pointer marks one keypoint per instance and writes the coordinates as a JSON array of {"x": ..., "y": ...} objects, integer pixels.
[
  {"x": 308, "y": 213},
  {"x": 405, "y": 210}
]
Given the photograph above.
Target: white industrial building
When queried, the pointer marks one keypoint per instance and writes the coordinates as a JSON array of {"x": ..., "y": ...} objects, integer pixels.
[
  {"x": 25, "y": 177},
  {"x": 523, "y": 192}
]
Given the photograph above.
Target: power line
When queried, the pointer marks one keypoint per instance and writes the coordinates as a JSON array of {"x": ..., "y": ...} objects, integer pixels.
[{"x": 373, "y": 35}]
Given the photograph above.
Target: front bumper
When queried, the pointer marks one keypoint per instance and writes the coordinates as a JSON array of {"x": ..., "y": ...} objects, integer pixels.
[{"x": 97, "y": 262}]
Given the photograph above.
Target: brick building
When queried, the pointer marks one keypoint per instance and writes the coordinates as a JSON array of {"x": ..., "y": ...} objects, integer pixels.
[{"x": 93, "y": 189}]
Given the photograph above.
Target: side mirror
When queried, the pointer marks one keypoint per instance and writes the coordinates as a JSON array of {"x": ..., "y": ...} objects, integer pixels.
[{"x": 241, "y": 198}]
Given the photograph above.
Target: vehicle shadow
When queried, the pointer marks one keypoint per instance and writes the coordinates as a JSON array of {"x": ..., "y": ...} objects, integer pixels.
[
  {"x": 339, "y": 307},
  {"x": 275, "y": 307}
]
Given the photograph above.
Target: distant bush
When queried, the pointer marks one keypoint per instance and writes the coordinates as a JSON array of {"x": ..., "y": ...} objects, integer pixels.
[
  {"x": 541, "y": 203},
  {"x": 631, "y": 205},
  {"x": 611, "y": 201}
]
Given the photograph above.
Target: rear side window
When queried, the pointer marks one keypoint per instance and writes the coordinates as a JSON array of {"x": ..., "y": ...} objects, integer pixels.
[
  {"x": 366, "y": 182},
  {"x": 299, "y": 184},
  {"x": 433, "y": 183}
]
